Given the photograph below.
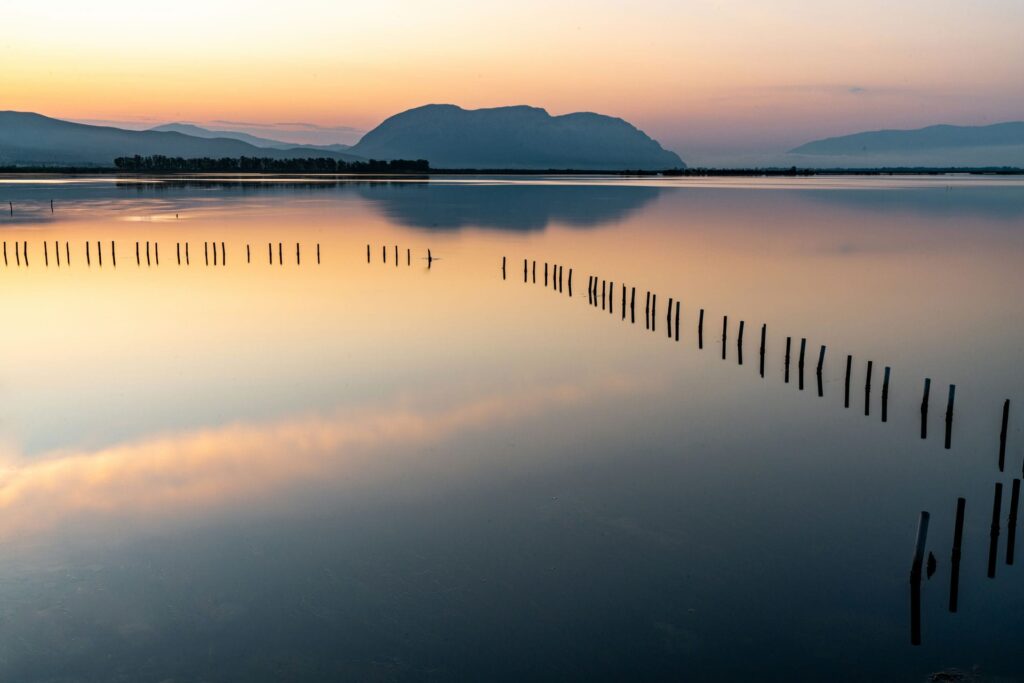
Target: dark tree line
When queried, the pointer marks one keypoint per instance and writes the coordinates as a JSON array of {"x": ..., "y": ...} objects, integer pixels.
[{"x": 163, "y": 164}]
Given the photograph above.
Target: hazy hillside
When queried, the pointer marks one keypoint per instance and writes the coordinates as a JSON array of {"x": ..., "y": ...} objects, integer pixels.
[
  {"x": 30, "y": 139},
  {"x": 256, "y": 141},
  {"x": 517, "y": 137},
  {"x": 1000, "y": 144}
]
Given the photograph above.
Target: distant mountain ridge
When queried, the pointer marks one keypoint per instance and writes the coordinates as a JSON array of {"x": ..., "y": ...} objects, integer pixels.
[
  {"x": 256, "y": 141},
  {"x": 33, "y": 139},
  {"x": 516, "y": 137},
  {"x": 917, "y": 141}
]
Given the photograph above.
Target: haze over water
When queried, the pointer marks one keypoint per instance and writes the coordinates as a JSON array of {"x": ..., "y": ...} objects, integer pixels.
[{"x": 426, "y": 470}]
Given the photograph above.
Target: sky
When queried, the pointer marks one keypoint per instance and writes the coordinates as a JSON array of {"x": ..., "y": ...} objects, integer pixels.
[{"x": 707, "y": 78}]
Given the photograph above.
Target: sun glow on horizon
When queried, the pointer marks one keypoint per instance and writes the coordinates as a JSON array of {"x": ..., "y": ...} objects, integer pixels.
[{"x": 703, "y": 72}]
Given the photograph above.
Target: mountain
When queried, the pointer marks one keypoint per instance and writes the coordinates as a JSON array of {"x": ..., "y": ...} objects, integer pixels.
[
  {"x": 199, "y": 132},
  {"x": 517, "y": 137},
  {"x": 32, "y": 139},
  {"x": 1000, "y": 144}
]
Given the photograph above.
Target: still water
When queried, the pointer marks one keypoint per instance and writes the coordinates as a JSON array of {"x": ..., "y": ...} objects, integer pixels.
[{"x": 366, "y": 467}]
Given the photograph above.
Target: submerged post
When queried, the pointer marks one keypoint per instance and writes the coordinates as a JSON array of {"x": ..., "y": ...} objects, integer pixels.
[
  {"x": 1002, "y": 434},
  {"x": 739, "y": 343},
  {"x": 915, "y": 578},
  {"x": 788, "y": 356},
  {"x": 764, "y": 334},
  {"x": 993, "y": 541},
  {"x": 1011, "y": 524},
  {"x": 885, "y": 395},
  {"x": 725, "y": 333},
  {"x": 867, "y": 390},
  {"x": 849, "y": 368},
  {"x": 958, "y": 537},
  {"x": 949, "y": 416},
  {"x": 924, "y": 407},
  {"x": 800, "y": 362},
  {"x": 818, "y": 370}
]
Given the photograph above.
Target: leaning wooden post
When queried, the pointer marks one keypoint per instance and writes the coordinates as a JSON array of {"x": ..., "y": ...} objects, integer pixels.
[
  {"x": 1002, "y": 434},
  {"x": 570, "y": 282},
  {"x": 725, "y": 333},
  {"x": 46, "y": 256},
  {"x": 156, "y": 253},
  {"x": 647, "y": 312},
  {"x": 298, "y": 256},
  {"x": 949, "y": 415},
  {"x": 739, "y": 343},
  {"x": 67, "y": 252},
  {"x": 849, "y": 368},
  {"x": 280, "y": 254},
  {"x": 885, "y": 395},
  {"x": 632, "y": 305},
  {"x": 535, "y": 272},
  {"x": 668, "y": 318},
  {"x": 502, "y": 267},
  {"x": 206, "y": 252},
  {"x": 867, "y": 390},
  {"x": 788, "y": 356},
  {"x": 248, "y": 254},
  {"x": 700, "y": 329},
  {"x": 408, "y": 255},
  {"x": 924, "y": 407},
  {"x": 177, "y": 249},
  {"x": 623, "y": 300},
  {"x": 223, "y": 256},
  {"x": 993, "y": 543},
  {"x": 915, "y": 578},
  {"x": 958, "y": 538},
  {"x": 654, "y": 312},
  {"x": 677, "y": 321},
  {"x": 1011, "y": 524},
  {"x": 764, "y": 334},
  {"x": 818, "y": 370},
  {"x": 147, "y": 252},
  {"x": 99, "y": 252},
  {"x": 187, "y": 261},
  {"x": 88, "y": 255},
  {"x": 800, "y": 362}
]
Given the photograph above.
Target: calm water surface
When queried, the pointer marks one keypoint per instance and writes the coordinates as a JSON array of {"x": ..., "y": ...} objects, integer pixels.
[{"x": 284, "y": 469}]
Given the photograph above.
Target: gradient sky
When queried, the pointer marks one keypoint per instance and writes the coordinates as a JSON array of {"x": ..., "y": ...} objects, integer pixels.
[{"x": 702, "y": 76}]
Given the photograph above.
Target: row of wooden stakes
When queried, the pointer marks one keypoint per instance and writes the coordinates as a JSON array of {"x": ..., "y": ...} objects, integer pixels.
[
  {"x": 601, "y": 292},
  {"x": 148, "y": 251}
]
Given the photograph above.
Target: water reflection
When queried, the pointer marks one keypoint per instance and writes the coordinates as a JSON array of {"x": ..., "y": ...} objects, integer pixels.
[
  {"x": 520, "y": 208},
  {"x": 363, "y": 470}
]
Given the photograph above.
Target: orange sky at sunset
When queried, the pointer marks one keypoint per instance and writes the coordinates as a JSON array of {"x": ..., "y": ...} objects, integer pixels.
[{"x": 698, "y": 75}]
